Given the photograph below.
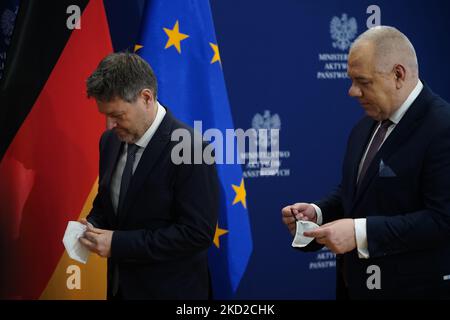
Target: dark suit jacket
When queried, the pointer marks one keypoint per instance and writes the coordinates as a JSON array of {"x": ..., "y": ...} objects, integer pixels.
[
  {"x": 405, "y": 196},
  {"x": 161, "y": 237}
]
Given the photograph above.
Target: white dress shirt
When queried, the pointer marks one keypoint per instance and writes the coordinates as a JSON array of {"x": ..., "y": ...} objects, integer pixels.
[
  {"x": 142, "y": 144},
  {"x": 360, "y": 223}
]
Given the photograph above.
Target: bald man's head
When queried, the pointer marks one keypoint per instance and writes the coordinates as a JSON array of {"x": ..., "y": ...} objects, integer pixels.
[
  {"x": 390, "y": 47},
  {"x": 382, "y": 65}
]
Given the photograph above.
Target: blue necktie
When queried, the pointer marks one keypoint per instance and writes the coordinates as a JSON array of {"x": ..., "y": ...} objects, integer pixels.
[{"x": 127, "y": 174}]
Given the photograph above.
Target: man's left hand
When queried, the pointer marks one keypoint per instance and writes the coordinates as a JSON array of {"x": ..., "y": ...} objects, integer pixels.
[
  {"x": 338, "y": 236},
  {"x": 97, "y": 240}
]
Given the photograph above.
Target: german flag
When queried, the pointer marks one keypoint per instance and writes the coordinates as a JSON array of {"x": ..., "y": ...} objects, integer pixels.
[{"x": 49, "y": 133}]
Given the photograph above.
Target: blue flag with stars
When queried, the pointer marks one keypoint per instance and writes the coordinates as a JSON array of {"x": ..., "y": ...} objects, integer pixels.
[{"x": 179, "y": 42}]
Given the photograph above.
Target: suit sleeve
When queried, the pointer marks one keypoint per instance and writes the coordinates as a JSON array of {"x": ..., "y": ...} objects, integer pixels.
[
  {"x": 331, "y": 206},
  {"x": 424, "y": 229},
  {"x": 97, "y": 215},
  {"x": 196, "y": 205}
]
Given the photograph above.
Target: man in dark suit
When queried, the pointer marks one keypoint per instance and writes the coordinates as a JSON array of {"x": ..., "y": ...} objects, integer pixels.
[
  {"x": 152, "y": 218},
  {"x": 389, "y": 219}
]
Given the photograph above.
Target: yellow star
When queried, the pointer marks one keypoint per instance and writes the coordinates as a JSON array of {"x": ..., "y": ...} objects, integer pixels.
[
  {"x": 137, "y": 47},
  {"x": 175, "y": 37},
  {"x": 240, "y": 194},
  {"x": 219, "y": 232},
  {"x": 216, "y": 56}
]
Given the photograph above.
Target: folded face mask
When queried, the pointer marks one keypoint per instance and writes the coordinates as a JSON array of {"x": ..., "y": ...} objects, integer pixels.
[{"x": 300, "y": 240}]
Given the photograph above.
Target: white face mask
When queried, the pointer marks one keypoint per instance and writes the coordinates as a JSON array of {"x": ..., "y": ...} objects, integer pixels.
[{"x": 300, "y": 240}]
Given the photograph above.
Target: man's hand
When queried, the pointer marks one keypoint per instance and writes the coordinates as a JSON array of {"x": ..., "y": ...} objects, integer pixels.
[
  {"x": 298, "y": 211},
  {"x": 338, "y": 236},
  {"x": 97, "y": 240}
]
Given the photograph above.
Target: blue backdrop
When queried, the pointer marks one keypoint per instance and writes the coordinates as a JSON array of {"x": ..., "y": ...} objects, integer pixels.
[{"x": 280, "y": 65}]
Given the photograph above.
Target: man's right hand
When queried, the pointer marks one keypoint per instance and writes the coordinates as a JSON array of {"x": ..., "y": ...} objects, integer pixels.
[{"x": 301, "y": 211}]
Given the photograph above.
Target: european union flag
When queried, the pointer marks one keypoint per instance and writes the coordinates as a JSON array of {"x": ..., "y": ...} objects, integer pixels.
[{"x": 179, "y": 42}]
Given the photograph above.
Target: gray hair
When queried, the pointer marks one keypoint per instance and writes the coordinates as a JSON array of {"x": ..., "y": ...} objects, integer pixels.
[
  {"x": 121, "y": 75},
  {"x": 391, "y": 47}
]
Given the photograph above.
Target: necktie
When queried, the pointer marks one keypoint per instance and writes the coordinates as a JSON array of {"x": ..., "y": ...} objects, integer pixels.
[
  {"x": 127, "y": 174},
  {"x": 377, "y": 141},
  {"x": 124, "y": 184}
]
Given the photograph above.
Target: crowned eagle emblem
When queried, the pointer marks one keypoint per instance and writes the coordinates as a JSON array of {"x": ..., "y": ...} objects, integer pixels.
[
  {"x": 343, "y": 31},
  {"x": 266, "y": 121}
]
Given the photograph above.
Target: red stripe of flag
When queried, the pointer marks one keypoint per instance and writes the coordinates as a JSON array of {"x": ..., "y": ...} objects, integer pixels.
[{"x": 52, "y": 163}]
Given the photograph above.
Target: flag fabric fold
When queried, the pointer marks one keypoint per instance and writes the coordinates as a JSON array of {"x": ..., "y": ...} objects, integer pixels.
[
  {"x": 179, "y": 42},
  {"x": 48, "y": 173}
]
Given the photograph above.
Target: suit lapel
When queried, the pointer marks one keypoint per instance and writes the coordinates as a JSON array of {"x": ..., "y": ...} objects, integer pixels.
[
  {"x": 363, "y": 138},
  {"x": 113, "y": 153},
  {"x": 148, "y": 160},
  {"x": 403, "y": 130}
]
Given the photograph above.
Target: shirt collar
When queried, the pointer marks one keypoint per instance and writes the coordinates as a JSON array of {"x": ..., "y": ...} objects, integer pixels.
[
  {"x": 398, "y": 115},
  {"x": 145, "y": 139}
]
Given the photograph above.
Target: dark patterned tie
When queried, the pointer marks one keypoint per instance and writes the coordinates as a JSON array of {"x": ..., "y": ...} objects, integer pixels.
[
  {"x": 124, "y": 184},
  {"x": 127, "y": 174},
  {"x": 374, "y": 147}
]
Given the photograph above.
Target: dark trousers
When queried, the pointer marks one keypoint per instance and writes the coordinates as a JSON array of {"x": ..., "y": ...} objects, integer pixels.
[{"x": 117, "y": 297}]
